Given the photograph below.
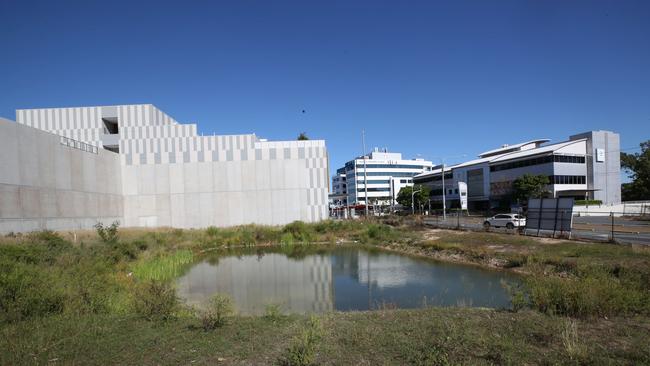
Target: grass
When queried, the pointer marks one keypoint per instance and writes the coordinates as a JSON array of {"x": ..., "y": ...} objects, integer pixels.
[
  {"x": 163, "y": 267},
  {"x": 395, "y": 337},
  {"x": 77, "y": 298}
]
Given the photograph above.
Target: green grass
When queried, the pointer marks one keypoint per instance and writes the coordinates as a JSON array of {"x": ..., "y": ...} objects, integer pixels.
[
  {"x": 163, "y": 267},
  {"x": 396, "y": 337}
]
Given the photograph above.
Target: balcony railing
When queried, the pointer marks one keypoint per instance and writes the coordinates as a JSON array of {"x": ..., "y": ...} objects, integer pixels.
[{"x": 66, "y": 141}]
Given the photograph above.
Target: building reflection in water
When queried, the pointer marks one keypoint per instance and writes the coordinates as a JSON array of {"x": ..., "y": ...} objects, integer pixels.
[
  {"x": 298, "y": 286},
  {"x": 343, "y": 279}
]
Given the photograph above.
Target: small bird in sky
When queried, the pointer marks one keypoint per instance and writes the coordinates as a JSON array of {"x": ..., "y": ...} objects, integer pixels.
[{"x": 303, "y": 111}]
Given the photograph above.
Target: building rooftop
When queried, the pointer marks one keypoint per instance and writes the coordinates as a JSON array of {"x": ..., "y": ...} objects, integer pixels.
[
  {"x": 532, "y": 144},
  {"x": 506, "y": 153}
]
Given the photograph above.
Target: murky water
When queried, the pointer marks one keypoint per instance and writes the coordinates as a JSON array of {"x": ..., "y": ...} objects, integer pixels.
[{"x": 341, "y": 278}]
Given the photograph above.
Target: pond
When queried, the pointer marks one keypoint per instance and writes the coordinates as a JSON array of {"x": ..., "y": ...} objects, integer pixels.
[{"x": 340, "y": 278}]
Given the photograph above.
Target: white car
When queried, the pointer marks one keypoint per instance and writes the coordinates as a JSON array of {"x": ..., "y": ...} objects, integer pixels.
[{"x": 509, "y": 221}]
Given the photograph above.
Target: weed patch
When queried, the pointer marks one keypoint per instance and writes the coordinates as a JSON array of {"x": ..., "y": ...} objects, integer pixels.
[
  {"x": 303, "y": 347},
  {"x": 219, "y": 308}
]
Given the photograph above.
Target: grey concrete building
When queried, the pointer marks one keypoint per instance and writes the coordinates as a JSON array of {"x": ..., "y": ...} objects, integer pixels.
[{"x": 159, "y": 172}]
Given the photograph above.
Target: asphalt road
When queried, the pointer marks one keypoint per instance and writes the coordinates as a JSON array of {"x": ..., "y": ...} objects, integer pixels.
[
  {"x": 597, "y": 228},
  {"x": 600, "y": 228}
]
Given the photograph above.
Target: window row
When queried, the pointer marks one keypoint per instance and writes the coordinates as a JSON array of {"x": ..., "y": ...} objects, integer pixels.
[
  {"x": 350, "y": 176},
  {"x": 539, "y": 160},
  {"x": 377, "y": 181},
  {"x": 434, "y": 178},
  {"x": 391, "y": 166},
  {"x": 362, "y": 190},
  {"x": 568, "y": 179}
]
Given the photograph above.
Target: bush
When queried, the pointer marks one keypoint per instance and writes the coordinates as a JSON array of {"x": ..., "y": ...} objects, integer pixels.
[
  {"x": 108, "y": 234},
  {"x": 123, "y": 251},
  {"x": 378, "y": 233},
  {"x": 218, "y": 310},
  {"x": 26, "y": 291},
  {"x": 587, "y": 202},
  {"x": 272, "y": 312},
  {"x": 300, "y": 231},
  {"x": 302, "y": 350},
  {"x": 595, "y": 291},
  {"x": 155, "y": 300},
  {"x": 518, "y": 297},
  {"x": 212, "y": 231}
]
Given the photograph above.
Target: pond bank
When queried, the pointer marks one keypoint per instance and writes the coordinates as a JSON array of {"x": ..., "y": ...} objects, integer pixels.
[{"x": 75, "y": 299}]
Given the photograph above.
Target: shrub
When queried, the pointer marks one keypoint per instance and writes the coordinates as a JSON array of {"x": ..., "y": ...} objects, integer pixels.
[
  {"x": 300, "y": 231},
  {"x": 123, "y": 251},
  {"x": 219, "y": 308},
  {"x": 302, "y": 350},
  {"x": 572, "y": 344},
  {"x": 272, "y": 312},
  {"x": 212, "y": 231},
  {"x": 588, "y": 202},
  {"x": 593, "y": 292},
  {"x": 429, "y": 355},
  {"x": 108, "y": 234},
  {"x": 286, "y": 239},
  {"x": 26, "y": 291},
  {"x": 155, "y": 300},
  {"x": 378, "y": 233},
  {"x": 52, "y": 240},
  {"x": 518, "y": 297}
]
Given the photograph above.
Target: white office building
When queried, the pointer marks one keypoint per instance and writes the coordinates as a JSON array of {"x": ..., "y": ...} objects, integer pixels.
[
  {"x": 587, "y": 166},
  {"x": 66, "y": 168},
  {"x": 386, "y": 174}
]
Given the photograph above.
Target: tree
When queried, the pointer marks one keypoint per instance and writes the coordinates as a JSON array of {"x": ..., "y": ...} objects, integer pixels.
[
  {"x": 421, "y": 196},
  {"x": 530, "y": 186},
  {"x": 303, "y": 136},
  {"x": 637, "y": 166}
]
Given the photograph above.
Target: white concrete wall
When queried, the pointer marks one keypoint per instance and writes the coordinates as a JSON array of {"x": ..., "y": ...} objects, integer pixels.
[
  {"x": 46, "y": 185},
  {"x": 171, "y": 176},
  {"x": 226, "y": 193}
]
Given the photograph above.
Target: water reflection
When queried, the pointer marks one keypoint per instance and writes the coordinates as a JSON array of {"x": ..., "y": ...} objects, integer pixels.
[{"x": 341, "y": 279}]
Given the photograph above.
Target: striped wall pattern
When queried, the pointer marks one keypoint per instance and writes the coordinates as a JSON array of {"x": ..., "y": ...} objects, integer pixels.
[
  {"x": 81, "y": 124},
  {"x": 290, "y": 177}
]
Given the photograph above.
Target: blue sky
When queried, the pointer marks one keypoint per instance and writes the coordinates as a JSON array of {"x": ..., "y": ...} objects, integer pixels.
[{"x": 431, "y": 79}]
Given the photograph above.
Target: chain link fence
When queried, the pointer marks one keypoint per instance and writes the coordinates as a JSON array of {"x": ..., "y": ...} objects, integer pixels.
[{"x": 606, "y": 227}]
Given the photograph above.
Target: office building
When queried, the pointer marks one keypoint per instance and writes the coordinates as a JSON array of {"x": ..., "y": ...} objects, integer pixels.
[
  {"x": 587, "y": 166},
  {"x": 67, "y": 168},
  {"x": 386, "y": 172}
]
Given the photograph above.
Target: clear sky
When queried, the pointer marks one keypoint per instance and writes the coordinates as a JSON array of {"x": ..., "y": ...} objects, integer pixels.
[{"x": 433, "y": 78}]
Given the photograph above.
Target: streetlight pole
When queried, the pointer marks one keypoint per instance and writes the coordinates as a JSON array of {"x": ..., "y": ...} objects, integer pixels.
[
  {"x": 413, "y": 199},
  {"x": 365, "y": 170}
]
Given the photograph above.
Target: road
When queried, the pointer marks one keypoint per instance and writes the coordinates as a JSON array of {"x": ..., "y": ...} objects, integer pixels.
[{"x": 597, "y": 228}]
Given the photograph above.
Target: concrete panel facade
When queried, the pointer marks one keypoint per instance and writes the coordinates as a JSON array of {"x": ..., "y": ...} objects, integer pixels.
[
  {"x": 46, "y": 185},
  {"x": 164, "y": 173}
]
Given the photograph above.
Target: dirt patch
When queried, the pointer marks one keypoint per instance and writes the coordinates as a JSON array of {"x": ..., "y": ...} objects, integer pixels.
[{"x": 549, "y": 240}]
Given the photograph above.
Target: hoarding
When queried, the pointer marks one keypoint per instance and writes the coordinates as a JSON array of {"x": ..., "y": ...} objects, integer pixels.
[{"x": 549, "y": 215}]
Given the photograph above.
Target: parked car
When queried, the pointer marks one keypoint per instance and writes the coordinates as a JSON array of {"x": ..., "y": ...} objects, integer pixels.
[{"x": 509, "y": 221}]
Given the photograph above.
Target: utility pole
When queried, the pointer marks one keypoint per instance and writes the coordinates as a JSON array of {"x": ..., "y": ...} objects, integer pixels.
[
  {"x": 444, "y": 194},
  {"x": 365, "y": 170}
]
